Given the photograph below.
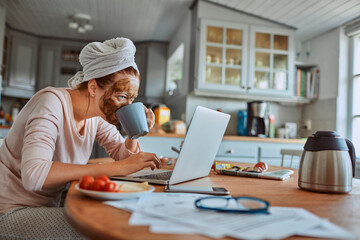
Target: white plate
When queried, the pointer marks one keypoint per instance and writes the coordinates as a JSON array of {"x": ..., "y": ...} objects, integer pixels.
[{"x": 114, "y": 195}]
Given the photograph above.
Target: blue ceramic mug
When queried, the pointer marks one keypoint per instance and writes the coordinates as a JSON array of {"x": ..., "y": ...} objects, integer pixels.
[{"x": 133, "y": 119}]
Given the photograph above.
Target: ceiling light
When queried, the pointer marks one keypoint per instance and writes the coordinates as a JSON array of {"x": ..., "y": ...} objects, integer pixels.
[
  {"x": 81, "y": 22},
  {"x": 88, "y": 27},
  {"x": 81, "y": 30},
  {"x": 73, "y": 25}
]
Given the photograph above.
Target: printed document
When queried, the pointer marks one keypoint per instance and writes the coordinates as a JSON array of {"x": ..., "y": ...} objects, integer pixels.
[{"x": 176, "y": 213}]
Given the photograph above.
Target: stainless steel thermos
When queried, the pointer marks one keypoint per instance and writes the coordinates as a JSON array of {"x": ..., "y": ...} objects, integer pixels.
[{"x": 327, "y": 163}]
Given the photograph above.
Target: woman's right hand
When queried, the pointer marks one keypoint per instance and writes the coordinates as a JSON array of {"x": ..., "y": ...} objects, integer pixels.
[{"x": 136, "y": 163}]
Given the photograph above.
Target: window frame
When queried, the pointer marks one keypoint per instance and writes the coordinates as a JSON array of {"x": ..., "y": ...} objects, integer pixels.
[{"x": 354, "y": 75}]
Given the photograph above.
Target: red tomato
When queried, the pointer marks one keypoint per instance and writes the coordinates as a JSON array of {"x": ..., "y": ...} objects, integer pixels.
[
  {"x": 98, "y": 185},
  {"x": 111, "y": 187},
  {"x": 262, "y": 165},
  {"x": 104, "y": 178},
  {"x": 86, "y": 182}
]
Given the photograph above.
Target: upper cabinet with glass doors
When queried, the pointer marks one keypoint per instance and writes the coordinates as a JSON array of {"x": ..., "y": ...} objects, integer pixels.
[
  {"x": 223, "y": 50},
  {"x": 229, "y": 63},
  {"x": 271, "y": 61}
]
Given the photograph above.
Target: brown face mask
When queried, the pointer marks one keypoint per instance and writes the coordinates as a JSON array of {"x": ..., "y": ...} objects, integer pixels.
[{"x": 121, "y": 93}]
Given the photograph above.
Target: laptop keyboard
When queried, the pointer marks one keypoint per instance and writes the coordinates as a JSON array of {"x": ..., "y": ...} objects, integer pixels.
[{"x": 159, "y": 176}]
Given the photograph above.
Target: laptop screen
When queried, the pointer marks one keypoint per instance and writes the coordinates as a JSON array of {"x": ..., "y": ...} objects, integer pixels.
[{"x": 202, "y": 141}]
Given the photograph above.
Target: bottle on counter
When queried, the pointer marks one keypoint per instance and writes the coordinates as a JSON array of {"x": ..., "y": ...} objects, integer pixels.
[
  {"x": 271, "y": 126},
  {"x": 242, "y": 122},
  {"x": 15, "y": 109},
  {"x": 162, "y": 114}
]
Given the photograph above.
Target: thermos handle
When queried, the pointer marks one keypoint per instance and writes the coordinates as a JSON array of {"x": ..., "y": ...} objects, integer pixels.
[{"x": 352, "y": 154}]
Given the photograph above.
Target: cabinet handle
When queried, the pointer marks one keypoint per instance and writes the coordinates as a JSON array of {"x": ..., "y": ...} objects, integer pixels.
[
  {"x": 242, "y": 87},
  {"x": 230, "y": 151},
  {"x": 248, "y": 87}
]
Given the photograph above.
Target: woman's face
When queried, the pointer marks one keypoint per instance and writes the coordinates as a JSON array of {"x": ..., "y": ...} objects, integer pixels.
[{"x": 123, "y": 92}]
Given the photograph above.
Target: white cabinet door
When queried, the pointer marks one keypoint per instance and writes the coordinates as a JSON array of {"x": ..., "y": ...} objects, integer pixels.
[
  {"x": 20, "y": 82},
  {"x": 161, "y": 146},
  {"x": 49, "y": 65},
  {"x": 238, "y": 151},
  {"x": 272, "y": 54},
  {"x": 222, "y": 56},
  {"x": 23, "y": 64}
]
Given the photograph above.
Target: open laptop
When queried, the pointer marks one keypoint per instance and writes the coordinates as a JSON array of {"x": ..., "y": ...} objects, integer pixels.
[{"x": 197, "y": 154}]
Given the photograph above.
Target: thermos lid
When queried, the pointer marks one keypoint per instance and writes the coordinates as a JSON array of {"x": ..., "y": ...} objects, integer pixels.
[{"x": 325, "y": 140}]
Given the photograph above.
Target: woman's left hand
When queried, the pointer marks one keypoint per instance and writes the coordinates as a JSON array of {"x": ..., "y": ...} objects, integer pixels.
[{"x": 150, "y": 117}]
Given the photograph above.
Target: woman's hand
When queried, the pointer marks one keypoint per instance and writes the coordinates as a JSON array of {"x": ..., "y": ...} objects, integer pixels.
[
  {"x": 137, "y": 162},
  {"x": 150, "y": 117}
]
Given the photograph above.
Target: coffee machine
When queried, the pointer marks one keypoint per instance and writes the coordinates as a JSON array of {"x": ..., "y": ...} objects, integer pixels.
[{"x": 257, "y": 119}]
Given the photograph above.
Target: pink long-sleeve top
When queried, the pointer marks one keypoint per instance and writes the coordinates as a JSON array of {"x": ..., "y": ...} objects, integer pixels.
[{"x": 45, "y": 132}]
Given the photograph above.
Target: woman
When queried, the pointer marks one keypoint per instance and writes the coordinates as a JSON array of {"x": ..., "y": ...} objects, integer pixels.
[{"x": 51, "y": 141}]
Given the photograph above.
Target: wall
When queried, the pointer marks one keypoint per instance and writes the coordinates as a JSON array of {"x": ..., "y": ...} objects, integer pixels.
[
  {"x": 151, "y": 61},
  {"x": 324, "y": 52},
  {"x": 177, "y": 102},
  {"x": 330, "y": 52},
  {"x": 156, "y": 70}
]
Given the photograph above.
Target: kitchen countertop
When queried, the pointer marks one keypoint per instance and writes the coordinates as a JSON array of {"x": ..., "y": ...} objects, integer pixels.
[{"x": 237, "y": 138}]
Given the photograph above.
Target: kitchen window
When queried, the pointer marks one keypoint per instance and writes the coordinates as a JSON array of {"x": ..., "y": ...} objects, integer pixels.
[{"x": 355, "y": 96}]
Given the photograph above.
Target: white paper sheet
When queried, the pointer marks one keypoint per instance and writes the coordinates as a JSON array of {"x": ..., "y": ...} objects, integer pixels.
[{"x": 176, "y": 213}]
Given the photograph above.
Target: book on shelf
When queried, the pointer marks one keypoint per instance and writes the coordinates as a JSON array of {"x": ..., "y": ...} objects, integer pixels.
[{"x": 307, "y": 81}]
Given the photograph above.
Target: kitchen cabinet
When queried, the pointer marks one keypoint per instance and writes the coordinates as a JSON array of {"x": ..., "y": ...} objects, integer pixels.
[
  {"x": 257, "y": 151},
  {"x": 271, "y": 61},
  {"x": 161, "y": 146},
  {"x": 49, "y": 64},
  {"x": 237, "y": 151},
  {"x": 232, "y": 148},
  {"x": 69, "y": 64},
  {"x": 3, "y": 132},
  {"x": 250, "y": 149},
  {"x": 223, "y": 56},
  {"x": 21, "y": 78},
  {"x": 245, "y": 58},
  {"x": 58, "y": 62},
  {"x": 240, "y": 56}
]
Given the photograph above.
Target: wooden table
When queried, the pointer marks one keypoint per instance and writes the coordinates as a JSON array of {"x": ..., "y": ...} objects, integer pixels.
[{"x": 99, "y": 221}]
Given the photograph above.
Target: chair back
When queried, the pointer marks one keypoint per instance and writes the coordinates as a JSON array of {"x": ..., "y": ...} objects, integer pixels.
[{"x": 291, "y": 153}]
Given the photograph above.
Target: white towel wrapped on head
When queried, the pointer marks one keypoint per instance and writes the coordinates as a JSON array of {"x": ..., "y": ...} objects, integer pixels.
[{"x": 101, "y": 59}]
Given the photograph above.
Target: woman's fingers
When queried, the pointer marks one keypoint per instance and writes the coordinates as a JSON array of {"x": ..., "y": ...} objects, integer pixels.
[
  {"x": 150, "y": 117},
  {"x": 157, "y": 161},
  {"x": 153, "y": 158},
  {"x": 150, "y": 157},
  {"x": 151, "y": 165}
]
